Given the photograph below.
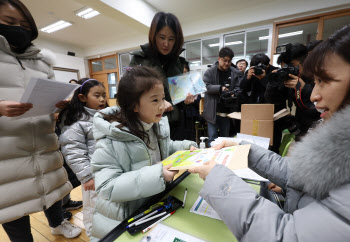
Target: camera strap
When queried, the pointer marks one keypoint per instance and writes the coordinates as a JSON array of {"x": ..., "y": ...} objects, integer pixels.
[{"x": 298, "y": 98}]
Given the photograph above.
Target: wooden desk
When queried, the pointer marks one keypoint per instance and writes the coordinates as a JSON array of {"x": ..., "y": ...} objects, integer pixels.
[{"x": 183, "y": 220}]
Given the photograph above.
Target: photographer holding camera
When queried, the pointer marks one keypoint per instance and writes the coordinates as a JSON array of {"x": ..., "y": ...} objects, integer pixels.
[
  {"x": 289, "y": 83},
  {"x": 255, "y": 79},
  {"x": 222, "y": 81}
]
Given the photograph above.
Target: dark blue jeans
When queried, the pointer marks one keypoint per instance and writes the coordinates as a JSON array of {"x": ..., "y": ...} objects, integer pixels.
[
  {"x": 220, "y": 128},
  {"x": 19, "y": 230}
]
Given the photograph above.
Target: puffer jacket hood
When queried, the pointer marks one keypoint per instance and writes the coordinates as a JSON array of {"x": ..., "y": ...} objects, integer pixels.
[
  {"x": 104, "y": 129},
  {"x": 327, "y": 153}
]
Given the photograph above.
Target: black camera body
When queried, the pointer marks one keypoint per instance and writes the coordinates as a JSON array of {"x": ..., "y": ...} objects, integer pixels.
[
  {"x": 283, "y": 73},
  {"x": 229, "y": 98},
  {"x": 258, "y": 70}
]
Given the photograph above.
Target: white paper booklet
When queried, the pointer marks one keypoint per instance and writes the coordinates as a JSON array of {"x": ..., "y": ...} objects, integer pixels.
[
  {"x": 163, "y": 233},
  {"x": 44, "y": 94},
  {"x": 201, "y": 207},
  {"x": 247, "y": 173}
]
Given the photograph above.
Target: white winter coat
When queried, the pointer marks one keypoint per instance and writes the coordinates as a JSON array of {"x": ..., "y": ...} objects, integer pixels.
[{"x": 31, "y": 174}]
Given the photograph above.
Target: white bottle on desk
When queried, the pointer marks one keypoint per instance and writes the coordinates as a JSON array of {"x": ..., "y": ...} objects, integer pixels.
[{"x": 202, "y": 143}]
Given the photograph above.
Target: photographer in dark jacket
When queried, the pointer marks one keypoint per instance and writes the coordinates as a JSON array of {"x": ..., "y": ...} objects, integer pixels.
[
  {"x": 289, "y": 83},
  {"x": 255, "y": 79},
  {"x": 222, "y": 81}
]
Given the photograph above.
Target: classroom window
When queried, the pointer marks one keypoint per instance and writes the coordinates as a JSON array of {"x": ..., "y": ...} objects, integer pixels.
[
  {"x": 334, "y": 24},
  {"x": 112, "y": 84},
  {"x": 124, "y": 60},
  {"x": 110, "y": 63},
  {"x": 96, "y": 66},
  {"x": 193, "y": 54},
  {"x": 306, "y": 29},
  {"x": 257, "y": 43},
  {"x": 303, "y": 33},
  {"x": 237, "y": 43},
  {"x": 210, "y": 51}
]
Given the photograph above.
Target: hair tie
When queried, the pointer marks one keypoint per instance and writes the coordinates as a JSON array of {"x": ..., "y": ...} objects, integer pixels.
[{"x": 81, "y": 87}]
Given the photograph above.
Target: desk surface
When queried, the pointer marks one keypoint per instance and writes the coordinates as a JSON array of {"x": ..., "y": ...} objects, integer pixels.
[{"x": 202, "y": 227}]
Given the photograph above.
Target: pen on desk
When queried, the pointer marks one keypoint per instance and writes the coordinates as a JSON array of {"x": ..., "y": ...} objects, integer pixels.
[
  {"x": 183, "y": 203},
  {"x": 149, "y": 219},
  {"x": 153, "y": 207},
  {"x": 143, "y": 218},
  {"x": 157, "y": 222}
]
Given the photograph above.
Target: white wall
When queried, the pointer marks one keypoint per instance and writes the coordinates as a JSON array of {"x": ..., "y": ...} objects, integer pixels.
[
  {"x": 71, "y": 62},
  {"x": 62, "y": 59}
]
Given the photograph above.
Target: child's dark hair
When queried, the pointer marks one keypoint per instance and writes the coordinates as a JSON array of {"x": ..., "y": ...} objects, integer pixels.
[
  {"x": 132, "y": 85},
  {"x": 75, "y": 109}
]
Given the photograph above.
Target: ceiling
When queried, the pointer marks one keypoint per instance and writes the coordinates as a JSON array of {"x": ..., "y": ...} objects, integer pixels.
[{"x": 115, "y": 30}]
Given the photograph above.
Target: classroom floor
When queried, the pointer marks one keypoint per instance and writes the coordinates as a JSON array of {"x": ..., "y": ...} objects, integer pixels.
[{"x": 40, "y": 227}]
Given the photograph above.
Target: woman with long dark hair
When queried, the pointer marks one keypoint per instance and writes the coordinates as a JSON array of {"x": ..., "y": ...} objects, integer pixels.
[
  {"x": 316, "y": 176},
  {"x": 162, "y": 52}
]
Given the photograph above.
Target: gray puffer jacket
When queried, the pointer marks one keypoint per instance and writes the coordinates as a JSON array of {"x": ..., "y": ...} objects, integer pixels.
[
  {"x": 124, "y": 176},
  {"x": 78, "y": 145},
  {"x": 317, "y": 180},
  {"x": 31, "y": 174}
]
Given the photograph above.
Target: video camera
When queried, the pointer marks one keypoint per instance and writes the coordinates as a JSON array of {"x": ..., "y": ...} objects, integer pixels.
[
  {"x": 283, "y": 73},
  {"x": 259, "y": 69},
  {"x": 230, "y": 98}
]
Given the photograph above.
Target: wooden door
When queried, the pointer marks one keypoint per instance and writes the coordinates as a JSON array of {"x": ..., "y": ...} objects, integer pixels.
[{"x": 103, "y": 78}]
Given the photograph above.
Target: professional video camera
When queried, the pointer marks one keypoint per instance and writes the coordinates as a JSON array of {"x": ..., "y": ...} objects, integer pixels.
[
  {"x": 282, "y": 74},
  {"x": 230, "y": 98},
  {"x": 258, "y": 70}
]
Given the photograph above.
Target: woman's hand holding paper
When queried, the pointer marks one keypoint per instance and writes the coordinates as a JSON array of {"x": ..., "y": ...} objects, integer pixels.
[
  {"x": 203, "y": 170},
  {"x": 225, "y": 143}
]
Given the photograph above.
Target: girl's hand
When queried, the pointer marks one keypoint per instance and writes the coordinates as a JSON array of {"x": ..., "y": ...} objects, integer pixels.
[
  {"x": 192, "y": 148},
  {"x": 89, "y": 185},
  {"x": 62, "y": 104},
  {"x": 203, "y": 170},
  {"x": 225, "y": 143},
  {"x": 168, "y": 175},
  {"x": 189, "y": 99},
  {"x": 168, "y": 106},
  {"x": 14, "y": 109}
]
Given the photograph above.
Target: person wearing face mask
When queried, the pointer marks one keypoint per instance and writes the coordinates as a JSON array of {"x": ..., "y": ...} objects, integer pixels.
[
  {"x": 32, "y": 178},
  {"x": 162, "y": 52},
  {"x": 315, "y": 176}
]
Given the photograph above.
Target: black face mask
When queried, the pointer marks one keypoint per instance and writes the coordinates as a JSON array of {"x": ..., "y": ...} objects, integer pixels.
[{"x": 18, "y": 37}]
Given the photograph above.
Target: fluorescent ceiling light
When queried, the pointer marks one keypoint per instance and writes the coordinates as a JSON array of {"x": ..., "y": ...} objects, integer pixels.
[
  {"x": 263, "y": 37},
  {"x": 234, "y": 43},
  {"x": 87, "y": 13},
  {"x": 56, "y": 26},
  {"x": 195, "y": 61},
  {"x": 213, "y": 45},
  {"x": 290, "y": 34}
]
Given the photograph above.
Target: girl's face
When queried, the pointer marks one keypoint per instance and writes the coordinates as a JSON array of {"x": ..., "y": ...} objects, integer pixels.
[
  {"x": 96, "y": 98},
  {"x": 165, "y": 40},
  {"x": 330, "y": 94},
  {"x": 9, "y": 15},
  {"x": 151, "y": 105}
]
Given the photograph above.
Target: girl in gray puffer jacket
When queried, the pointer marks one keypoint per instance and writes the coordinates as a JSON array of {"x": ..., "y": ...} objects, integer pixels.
[{"x": 78, "y": 143}]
